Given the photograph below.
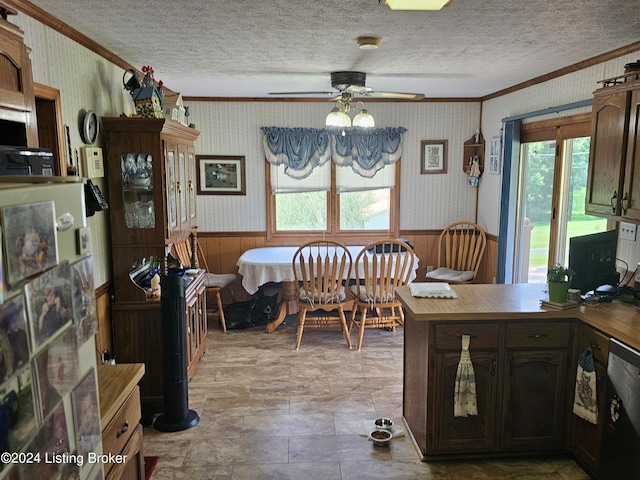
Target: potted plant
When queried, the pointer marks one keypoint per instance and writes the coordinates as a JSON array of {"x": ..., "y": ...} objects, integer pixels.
[{"x": 558, "y": 280}]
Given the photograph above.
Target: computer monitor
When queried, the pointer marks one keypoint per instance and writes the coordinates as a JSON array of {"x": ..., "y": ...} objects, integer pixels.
[{"x": 593, "y": 258}]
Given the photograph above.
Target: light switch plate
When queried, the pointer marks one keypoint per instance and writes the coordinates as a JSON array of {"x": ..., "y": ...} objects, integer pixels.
[{"x": 628, "y": 231}]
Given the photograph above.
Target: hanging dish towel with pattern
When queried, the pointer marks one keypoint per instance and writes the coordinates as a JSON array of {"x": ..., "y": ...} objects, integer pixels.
[
  {"x": 464, "y": 401},
  {"x": 585, "y": 403}
]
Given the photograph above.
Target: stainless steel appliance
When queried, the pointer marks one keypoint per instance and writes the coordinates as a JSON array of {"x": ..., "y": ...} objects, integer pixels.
[
  {"x": 25, "y": 161},
  {"x": 620, "y": 459}
]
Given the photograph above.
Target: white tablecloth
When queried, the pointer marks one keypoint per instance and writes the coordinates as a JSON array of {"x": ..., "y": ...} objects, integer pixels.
[{"x": 260, "y": 266}]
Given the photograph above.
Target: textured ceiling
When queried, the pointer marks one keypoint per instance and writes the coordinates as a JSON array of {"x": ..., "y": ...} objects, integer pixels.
[{"x": 248, "y": 48}]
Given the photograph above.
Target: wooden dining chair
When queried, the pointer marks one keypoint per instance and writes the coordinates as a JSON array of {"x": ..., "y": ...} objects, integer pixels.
[
  {"x": 380, "y": 268},
  {"x": 321, "y": 269},
  {"x": 461, "y": 247},
  {"x": 213, "y": 282}
]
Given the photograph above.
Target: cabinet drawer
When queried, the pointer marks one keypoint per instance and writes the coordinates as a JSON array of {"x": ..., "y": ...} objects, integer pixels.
[
  {"x": 483, "y": 335},
  {"x": 116, "y": 435},
  {"x": 591, "y": 337},
  {"x": 545, "y": 334}
]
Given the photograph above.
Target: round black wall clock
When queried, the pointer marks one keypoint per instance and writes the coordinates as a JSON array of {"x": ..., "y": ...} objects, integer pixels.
[{"x": 90, "y": 127}]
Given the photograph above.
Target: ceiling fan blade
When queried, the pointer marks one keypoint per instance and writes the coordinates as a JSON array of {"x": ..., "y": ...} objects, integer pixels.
[
  {"x": 302, "y": 93},
  {"x": 398, "y": 95}
]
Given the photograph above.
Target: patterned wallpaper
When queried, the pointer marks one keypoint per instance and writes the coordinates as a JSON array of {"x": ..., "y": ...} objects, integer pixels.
[
  {"x": 427, "y": 201},
  {"x": 86, "y": 81}
]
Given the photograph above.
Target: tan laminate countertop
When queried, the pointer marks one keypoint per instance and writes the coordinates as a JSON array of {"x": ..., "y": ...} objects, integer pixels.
[
  {"x": 115, "y": 383},
  {"x": 521, "y": 301}
]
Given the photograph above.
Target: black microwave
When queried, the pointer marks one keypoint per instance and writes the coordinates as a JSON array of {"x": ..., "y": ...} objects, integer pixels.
[{"x": 25, "y": 161}]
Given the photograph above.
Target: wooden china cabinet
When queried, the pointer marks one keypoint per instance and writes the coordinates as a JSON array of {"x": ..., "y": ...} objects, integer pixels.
[{"x": 152, "y": 203}]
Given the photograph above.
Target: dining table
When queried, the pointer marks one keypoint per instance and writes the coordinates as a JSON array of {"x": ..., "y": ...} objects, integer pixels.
[{"x": 264, "y": 265}]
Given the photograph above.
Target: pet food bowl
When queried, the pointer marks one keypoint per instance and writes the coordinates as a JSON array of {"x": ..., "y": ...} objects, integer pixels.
[
  {"x": 383, "y": 423},
  {"x": 381, "y": 438}
]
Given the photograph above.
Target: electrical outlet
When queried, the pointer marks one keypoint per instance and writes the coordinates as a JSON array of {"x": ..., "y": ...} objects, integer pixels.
[
  {"x": 628, "y": 231},
  {"x": 429, "y": 268}
]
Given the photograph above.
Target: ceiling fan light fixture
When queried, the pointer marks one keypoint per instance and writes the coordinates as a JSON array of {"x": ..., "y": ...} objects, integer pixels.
[
  {"x": 368, "y": 43},
  {"x": 364, "y": 119},
  {"x": 337, "y": 118},
  {"x": 415, "y": 4}
]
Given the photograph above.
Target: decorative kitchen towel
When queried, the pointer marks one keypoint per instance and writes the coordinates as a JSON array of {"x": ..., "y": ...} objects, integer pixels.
[
  {"x": 585, "y": 404},
  {"x": 464, "y": 395}
]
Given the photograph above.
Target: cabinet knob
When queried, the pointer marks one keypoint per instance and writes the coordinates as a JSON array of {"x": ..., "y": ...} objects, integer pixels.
[{"x": 536, "y": 336}]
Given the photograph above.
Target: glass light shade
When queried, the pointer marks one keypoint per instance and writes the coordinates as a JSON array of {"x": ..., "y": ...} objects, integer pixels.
[
  {"x": 416, "y": 4},
  {"x": 364, "y": 119},
  {"x": 337, "y": 118}
]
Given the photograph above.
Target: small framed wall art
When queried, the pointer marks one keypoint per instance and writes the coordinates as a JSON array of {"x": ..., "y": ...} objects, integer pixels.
[
  {"x": 221, "y": 175},
  {"x": 433, "y": 156}
]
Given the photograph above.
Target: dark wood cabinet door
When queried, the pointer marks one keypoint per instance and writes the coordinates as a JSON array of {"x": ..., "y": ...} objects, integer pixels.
[
  {"x": 476, "y": 433},
  {"x": 534, "y": 399},
  {"x": 607, "y": 156},
  {"x": 630, "y": 202}
]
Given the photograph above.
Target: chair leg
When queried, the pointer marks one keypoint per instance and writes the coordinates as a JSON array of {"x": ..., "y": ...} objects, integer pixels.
[
  {"x": 353, "y": 317},
  {"x": 363, "y": 321},
  {"x": 223, "y": 323},
  {"x": 345, "y": 330},
  {"x": 302, "y": 316}
]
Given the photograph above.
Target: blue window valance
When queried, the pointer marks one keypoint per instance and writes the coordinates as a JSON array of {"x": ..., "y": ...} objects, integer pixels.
[{"x": 302, "y": 149}]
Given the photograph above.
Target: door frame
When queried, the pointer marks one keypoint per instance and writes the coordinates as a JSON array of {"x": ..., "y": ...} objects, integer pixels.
[{"x": 53, "y": 95}]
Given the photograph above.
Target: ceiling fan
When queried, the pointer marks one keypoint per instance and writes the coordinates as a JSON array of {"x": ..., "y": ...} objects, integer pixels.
[{"x": 353, "y": 83}]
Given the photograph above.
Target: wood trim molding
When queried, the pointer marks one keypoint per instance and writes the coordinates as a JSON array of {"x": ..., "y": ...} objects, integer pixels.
[
  {"x": 589, "y": 62},
  {"x": 53, "y": 94},
  {"x": 68, "y": 31}
]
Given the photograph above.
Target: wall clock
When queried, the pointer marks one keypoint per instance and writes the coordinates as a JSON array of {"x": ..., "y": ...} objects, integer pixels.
[{"x": 90, "y": 127}]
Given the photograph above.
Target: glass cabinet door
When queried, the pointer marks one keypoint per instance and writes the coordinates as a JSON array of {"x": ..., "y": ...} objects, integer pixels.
[
  {"x": 172, "y": 199},
  {"x": 182, "y": 189},
  {"x": 192, "y": 186},
  {"x": 137, "y": 190}
]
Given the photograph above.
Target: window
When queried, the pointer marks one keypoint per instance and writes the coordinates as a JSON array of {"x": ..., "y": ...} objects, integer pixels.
[
  {"x": 333, "y": 201},
  {"x": 550, "y": 206}
]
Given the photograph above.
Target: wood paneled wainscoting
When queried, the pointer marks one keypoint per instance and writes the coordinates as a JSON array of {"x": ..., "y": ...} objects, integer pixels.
[{"x": 222, "y": 250}]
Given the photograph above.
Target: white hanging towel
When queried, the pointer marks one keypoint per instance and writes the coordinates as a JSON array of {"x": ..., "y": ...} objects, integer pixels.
[
  {"x": 464, "y": 395},
  {"x": 585, "y": 403}
]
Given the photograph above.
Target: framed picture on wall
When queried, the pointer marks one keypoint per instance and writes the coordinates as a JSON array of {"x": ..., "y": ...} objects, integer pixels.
[
  {"x": 433, "y": 156},
  {"x": 494, "y": 156},
  {"x": 221, "y": 175}
]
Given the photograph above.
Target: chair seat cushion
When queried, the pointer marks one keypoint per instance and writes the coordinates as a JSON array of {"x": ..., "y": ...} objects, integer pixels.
[
  {"x": 315, "y": 298},
  {"x": 361, "y": 294},
  {"x": 219, "y": 280},
  {"x": 449, "y": 275}
]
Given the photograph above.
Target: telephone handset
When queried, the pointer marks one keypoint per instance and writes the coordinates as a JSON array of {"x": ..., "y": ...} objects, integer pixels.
[{"x": 95, "y": 201}]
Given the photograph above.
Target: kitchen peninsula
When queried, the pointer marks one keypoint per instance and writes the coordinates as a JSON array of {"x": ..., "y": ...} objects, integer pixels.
[{"x": 524, "y": 358}]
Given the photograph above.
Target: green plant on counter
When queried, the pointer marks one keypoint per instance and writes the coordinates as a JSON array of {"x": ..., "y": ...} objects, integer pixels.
[{"x": 559, "y": 274}]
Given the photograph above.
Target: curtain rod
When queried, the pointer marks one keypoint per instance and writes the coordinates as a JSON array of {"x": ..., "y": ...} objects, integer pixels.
[{"x": 559, "y": 108}]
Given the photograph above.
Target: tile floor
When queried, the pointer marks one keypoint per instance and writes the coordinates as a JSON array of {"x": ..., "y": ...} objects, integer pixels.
[{"x": 270, "y": 412}]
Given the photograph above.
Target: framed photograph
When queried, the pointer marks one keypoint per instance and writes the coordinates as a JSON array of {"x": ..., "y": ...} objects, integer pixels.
[
  {"x": 14, "y": 339},
  {"x": 221, "y": 175},
  {"x": 49, "y": 303},
  {"x": 495, "y": 151},
  {"x": 433, "y": 156},
  {"x": 56, "y": 371},
  {"x": 86, "y": 413},
  {"x": 51, "y": 440},
  {"x": 84, "y": 300},
  {"x": 29, "y": 240},
  {"x": 84, "y": 240},
  {"x": 18, "y": 395}
]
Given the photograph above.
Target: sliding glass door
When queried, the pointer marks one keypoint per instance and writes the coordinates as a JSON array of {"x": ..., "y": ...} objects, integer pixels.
[{"x": 550, "y": 209}]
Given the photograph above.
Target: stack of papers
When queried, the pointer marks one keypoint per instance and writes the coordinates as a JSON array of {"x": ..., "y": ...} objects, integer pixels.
[
  {"x": 432, "y": 290},
  {"x": 559, "y": 306}
]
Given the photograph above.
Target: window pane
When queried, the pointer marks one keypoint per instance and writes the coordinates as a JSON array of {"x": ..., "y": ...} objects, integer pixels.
[
  {"x": 301, "y": 211},
  {"x": 365, "y": 210}
]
